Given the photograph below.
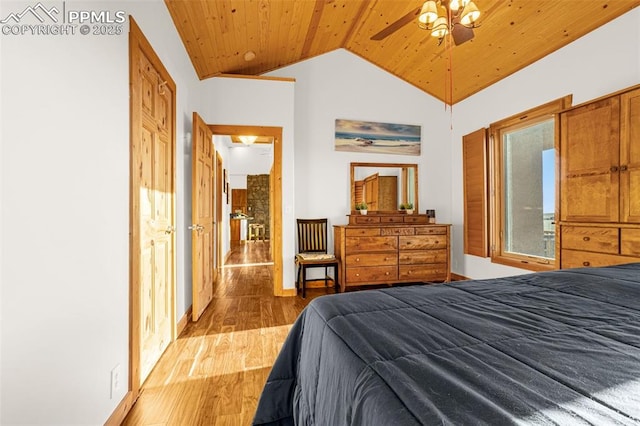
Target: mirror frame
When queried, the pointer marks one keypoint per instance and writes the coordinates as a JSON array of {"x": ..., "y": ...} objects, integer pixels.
[{"x": 384, "y": 165}]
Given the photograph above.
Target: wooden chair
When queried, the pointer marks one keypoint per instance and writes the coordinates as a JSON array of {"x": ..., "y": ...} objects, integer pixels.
[
  {"x": 256, "y": 232},
  {"x": 312, "y": 251}
]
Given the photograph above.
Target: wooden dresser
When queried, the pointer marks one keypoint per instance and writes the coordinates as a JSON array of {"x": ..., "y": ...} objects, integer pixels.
[
  {"x": 392, "y": 248},
  {"x": 600, "y": 181}
]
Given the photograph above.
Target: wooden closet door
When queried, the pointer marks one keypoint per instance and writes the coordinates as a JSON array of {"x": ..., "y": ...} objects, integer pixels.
[
  {"x": 630, "y": 157},
  {"x": 153, "y": 244},
  {"x": 590, "y": 153},
  {"x": 202, "y": 216}
]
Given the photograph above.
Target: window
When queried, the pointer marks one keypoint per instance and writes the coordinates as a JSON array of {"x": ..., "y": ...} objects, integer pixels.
[{"x": 524, "y": 188}]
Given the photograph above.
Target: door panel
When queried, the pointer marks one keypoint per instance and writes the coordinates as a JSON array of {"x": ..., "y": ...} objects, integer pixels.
[
  {"x": 630, "y": 157},
  {"x": 589, "y": 177},
  {"x": 202, "y": 186}
]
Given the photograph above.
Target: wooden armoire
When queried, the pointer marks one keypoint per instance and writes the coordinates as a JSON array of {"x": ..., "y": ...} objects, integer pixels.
[
  {"x": 381, "y": 192},
  {"x": 600, "y": 181}
]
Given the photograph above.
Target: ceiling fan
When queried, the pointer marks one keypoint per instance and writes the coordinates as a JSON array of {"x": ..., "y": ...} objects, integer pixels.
[{"x": 440, "y": 17}]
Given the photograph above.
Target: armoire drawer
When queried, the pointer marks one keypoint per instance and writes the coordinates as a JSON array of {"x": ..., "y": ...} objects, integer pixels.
[
  {"x": 630, "y": 241},
  {"x": 579, "y": 259},
  {"x": 596, "y": 239}
]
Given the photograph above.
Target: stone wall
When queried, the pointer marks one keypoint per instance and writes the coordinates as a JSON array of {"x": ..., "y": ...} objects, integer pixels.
[{"x": 258, "y": 200}]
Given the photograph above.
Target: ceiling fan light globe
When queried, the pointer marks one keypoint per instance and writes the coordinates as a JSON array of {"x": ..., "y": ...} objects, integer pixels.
[
  {"x": 428, "y": 13},
  {"x": 470, "y": 14},
  {"x": 440, "y": 28}
]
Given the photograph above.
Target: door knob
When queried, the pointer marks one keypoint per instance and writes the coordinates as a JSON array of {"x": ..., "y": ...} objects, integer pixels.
[{"x": 169, "y": 229}]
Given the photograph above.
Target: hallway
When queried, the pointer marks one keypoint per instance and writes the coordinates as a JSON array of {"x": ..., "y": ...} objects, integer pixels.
[{"x": 214, "y": 372}]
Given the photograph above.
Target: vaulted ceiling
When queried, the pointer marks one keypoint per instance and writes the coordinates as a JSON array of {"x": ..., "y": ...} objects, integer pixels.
[{"x": 221, "y": 36}]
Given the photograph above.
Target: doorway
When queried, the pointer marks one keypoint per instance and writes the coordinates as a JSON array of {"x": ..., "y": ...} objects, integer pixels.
[{"x": 275, "y": 195}]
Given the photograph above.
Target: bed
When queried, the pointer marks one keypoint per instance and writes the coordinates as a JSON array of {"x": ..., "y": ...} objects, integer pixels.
[{"x": 559, "y": 347}]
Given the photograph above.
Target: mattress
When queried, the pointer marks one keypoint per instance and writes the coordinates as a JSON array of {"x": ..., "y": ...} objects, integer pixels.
[{"x": 559, "y": 347}]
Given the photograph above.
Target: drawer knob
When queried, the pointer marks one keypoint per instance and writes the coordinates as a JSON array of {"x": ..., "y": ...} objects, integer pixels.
[
  {"x": 586, "y": 263},
  {"x": 586, "y": 238},
  {"x": 357, "y": 259},
  {"x": 357, "y": 275},
  {"x": 386, "y": 273}
]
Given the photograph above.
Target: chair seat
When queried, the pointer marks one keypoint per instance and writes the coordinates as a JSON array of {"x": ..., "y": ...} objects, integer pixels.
[{"x": 315, "y": 256}]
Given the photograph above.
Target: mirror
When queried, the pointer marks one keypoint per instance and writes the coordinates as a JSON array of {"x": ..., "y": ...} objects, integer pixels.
[{"x": 384, "y": 186}]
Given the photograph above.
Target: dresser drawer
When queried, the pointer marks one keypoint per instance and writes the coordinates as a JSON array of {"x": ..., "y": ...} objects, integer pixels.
[
  {"x": 415, "y": 219},
  {"x": 398, "y": 231},
  {"x": 602, "y": 240},
  {"x": 433, "y": 272},
  {"x": 579, "y": 259},
  {"x": 422, "y": 242},
  {"x": 416, "y": 257},
  {"x": 362, "y": 232},
  {"x": 366, "y": 219},
  {"x": 630, "y": 242},
  {"x": 371, "y": 259},
  {"x": 371, "y": 244},
  {"x": 372, "y": 274},
  {"x": 391, "y": 219},
  {"x": 431, "y": 230}
]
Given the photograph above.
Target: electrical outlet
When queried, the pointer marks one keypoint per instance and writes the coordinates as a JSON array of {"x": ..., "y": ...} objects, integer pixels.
[{"x": 115, "y": 380}]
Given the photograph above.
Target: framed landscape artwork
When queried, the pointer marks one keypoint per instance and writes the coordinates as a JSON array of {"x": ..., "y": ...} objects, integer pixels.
[{"x": 382, "y": 138}]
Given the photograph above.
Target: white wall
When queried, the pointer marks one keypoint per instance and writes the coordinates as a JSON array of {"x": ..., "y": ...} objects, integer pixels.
[
  {"x": 342, "y": 85},
  {"x": 602, "y": 62},
  {"x": 65, "y": 213},
  {"x": 245, "y": 160},
  {"x": 255, "y": 102}
]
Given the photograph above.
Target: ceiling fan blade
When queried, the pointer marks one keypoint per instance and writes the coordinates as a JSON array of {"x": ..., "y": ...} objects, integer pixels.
[
  {"x": 461, "y": 34},
  {"x": 395, "y": 26}
]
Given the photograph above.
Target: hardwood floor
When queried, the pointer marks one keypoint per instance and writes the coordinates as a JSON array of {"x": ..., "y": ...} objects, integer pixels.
[{"x": 214, "y": 372}]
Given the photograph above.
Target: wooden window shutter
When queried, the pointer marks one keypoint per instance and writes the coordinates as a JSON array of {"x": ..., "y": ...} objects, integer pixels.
[{"x": 476, "y": 189}]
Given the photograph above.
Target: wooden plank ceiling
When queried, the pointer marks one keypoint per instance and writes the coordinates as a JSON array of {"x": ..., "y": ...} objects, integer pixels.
[{"x": 218, "y": 34}]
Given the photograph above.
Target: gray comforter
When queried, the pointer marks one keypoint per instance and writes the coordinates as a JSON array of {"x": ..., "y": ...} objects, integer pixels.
[{"x": 559, "y": 347}]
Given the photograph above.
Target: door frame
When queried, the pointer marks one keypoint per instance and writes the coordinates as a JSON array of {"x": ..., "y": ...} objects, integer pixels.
[
  {"x": 219, "y": 195},
  {"x": 276, "y": 179},
  {"x": 137, "y": 40}
]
